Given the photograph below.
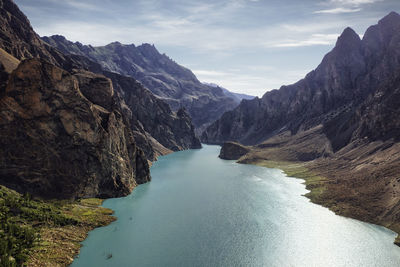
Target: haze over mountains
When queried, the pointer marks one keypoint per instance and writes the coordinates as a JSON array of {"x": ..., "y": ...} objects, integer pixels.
[{"x": 175, "y": 84}]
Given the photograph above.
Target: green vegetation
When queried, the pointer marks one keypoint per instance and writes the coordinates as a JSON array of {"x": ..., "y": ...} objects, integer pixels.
[
  {"x": 18, "y": 214},
  {"x": 35, "y": 232}
]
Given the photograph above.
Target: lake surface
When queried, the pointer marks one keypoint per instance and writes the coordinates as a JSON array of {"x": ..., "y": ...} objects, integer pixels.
[{"x": 200, "y": 210}]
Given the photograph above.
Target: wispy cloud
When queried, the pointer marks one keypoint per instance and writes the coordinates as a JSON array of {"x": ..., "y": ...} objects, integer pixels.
[
  {"x": 337, "y": 10},
  {"x": 354, "y": 2},
  {"x": 314, "y": 39},
  {"x": 344, "y": 6},
  {"x": 81, "y": 5},
  {"x": 211, "y": 73},
  {"x": 255, "y": 84}
]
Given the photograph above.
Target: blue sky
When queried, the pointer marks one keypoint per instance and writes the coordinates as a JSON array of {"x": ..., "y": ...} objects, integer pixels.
[{"x": 248, "y": 46}]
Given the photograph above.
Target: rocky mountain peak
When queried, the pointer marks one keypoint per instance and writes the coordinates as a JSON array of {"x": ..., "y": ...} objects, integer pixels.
[
  {"x": 114, "y": 44},
  {"x": 59, "y": 38},
  {"x": 379, "y": 37},
  {"x": 149, "y": 50},
  {"x": 348, "y": 40},
  {"x": 392, "y": 19}
]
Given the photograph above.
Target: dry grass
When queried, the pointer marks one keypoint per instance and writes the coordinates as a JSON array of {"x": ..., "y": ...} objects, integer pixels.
[
  {"x": 58, "y": 245},
  {"x": 361, "y": 181}
]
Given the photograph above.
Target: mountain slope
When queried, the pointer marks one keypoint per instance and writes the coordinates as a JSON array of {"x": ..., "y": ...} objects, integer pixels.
[
  {"x": 171, "y": 82},
  {"x": 345, "y": 78},
  {"x": 338, "y": 128},
  {"x": 68, "y": 132},
  {"x": 58, "y": 141}
]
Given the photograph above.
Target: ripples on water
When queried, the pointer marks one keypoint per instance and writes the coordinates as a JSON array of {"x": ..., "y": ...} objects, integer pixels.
[{"x": 200, "y": 210}]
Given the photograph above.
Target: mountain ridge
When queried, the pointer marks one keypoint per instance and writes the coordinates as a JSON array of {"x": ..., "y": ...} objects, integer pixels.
[
  {"x": 102, "y": 125},
  {"x": 175, "y": 84}
]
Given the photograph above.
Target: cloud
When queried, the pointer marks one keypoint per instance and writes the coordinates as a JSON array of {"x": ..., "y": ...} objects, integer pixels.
[
  {"x": 256, "y": 84},
  {"x": 314, "y": 39},
  {"x": 211, "y": 73},
  {"x": 77, "y": 4},
  {"x": 344, "y": 6},
  {"x": 337, "y": 10},
  {"x": 354, "y": 2}
]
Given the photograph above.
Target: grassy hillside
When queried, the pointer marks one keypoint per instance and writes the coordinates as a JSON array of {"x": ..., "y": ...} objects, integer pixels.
[{"x": 35, "y": 232}]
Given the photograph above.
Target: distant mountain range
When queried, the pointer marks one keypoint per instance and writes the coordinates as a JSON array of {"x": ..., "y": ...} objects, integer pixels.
[
  {"x": 341, "y": 122},
  {"x": 174, "y": 84},
  {"x": 236, "y": 96}
]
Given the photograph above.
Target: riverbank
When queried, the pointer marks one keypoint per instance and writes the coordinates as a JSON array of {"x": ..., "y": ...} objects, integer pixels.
[
  {"x": 323, "y": 191},
  {"x": 37, "y": 232}
]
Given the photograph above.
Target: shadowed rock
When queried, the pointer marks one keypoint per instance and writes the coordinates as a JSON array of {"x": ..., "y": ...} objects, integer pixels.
[
  {"x": 232, "y": 151},
  {"x": 57, "y": 143}
]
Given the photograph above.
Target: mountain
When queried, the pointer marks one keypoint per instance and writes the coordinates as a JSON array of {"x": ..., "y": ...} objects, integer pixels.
[
  {"x": 176, "y": 85},
  {"x": 70, "y": 129},
  {"x": 236, "y": 96},
  {"x": 340, "y": 125},
  {"x": 60, "y": 141},
  {"x": 344, "y": 79}
]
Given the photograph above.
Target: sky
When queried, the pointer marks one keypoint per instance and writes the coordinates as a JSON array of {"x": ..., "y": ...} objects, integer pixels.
[{"x": 246, "y": 46}]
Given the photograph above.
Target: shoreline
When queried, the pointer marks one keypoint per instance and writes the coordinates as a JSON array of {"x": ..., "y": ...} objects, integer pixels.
[
  {"x": 59, "y": 246},
  {"x": 316, "y": 184},
  {"x": 46, "y": 232}
]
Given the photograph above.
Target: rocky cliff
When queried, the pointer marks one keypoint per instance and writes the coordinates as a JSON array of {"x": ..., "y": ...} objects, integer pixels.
[
  {"x": 22, "y": 42},
  {"x": 69, "y": 131},
  {"x": 233, "y": 151},
  {"x": 60, "y": 139},
  {"x": 171, "y": 82},
  {"x": 173, "y": 130}
]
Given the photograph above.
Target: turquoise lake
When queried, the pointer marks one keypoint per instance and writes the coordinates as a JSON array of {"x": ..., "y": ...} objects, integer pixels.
[{"x": 200, "y": 210}]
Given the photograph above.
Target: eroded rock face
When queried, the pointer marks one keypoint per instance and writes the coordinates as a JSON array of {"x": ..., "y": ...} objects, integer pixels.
[
  {"x": 17, "y": 36},
  {"x": 56, "y": 142},
  {"x": 233, "y": 151},
  {"x": 173, "y": 130},
  {"x": 19, "y": 42}
]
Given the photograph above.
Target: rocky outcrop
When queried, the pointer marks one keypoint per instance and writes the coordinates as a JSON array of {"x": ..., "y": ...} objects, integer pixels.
[
  {"x": 60, "y": 141},
  {"x": 169, "y": 81},
  {"x": 20, "y": 41},
  {"x": 232, "y": 151},
  {"x": 16, "y": 27},
  {"x": 173, "y": 130}
]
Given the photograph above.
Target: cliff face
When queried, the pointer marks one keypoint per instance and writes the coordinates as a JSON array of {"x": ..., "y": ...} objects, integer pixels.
[
  {"x": 60, "y": 141},
  {"x": 173, "y": 130},
  {"x": 347, "y": 75},
  {"x": 18, "y": 39},
  {"x": 67, "y": 132},
  {"x": 16, "y": 27},
  {"x": 171, "y": 82}
]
